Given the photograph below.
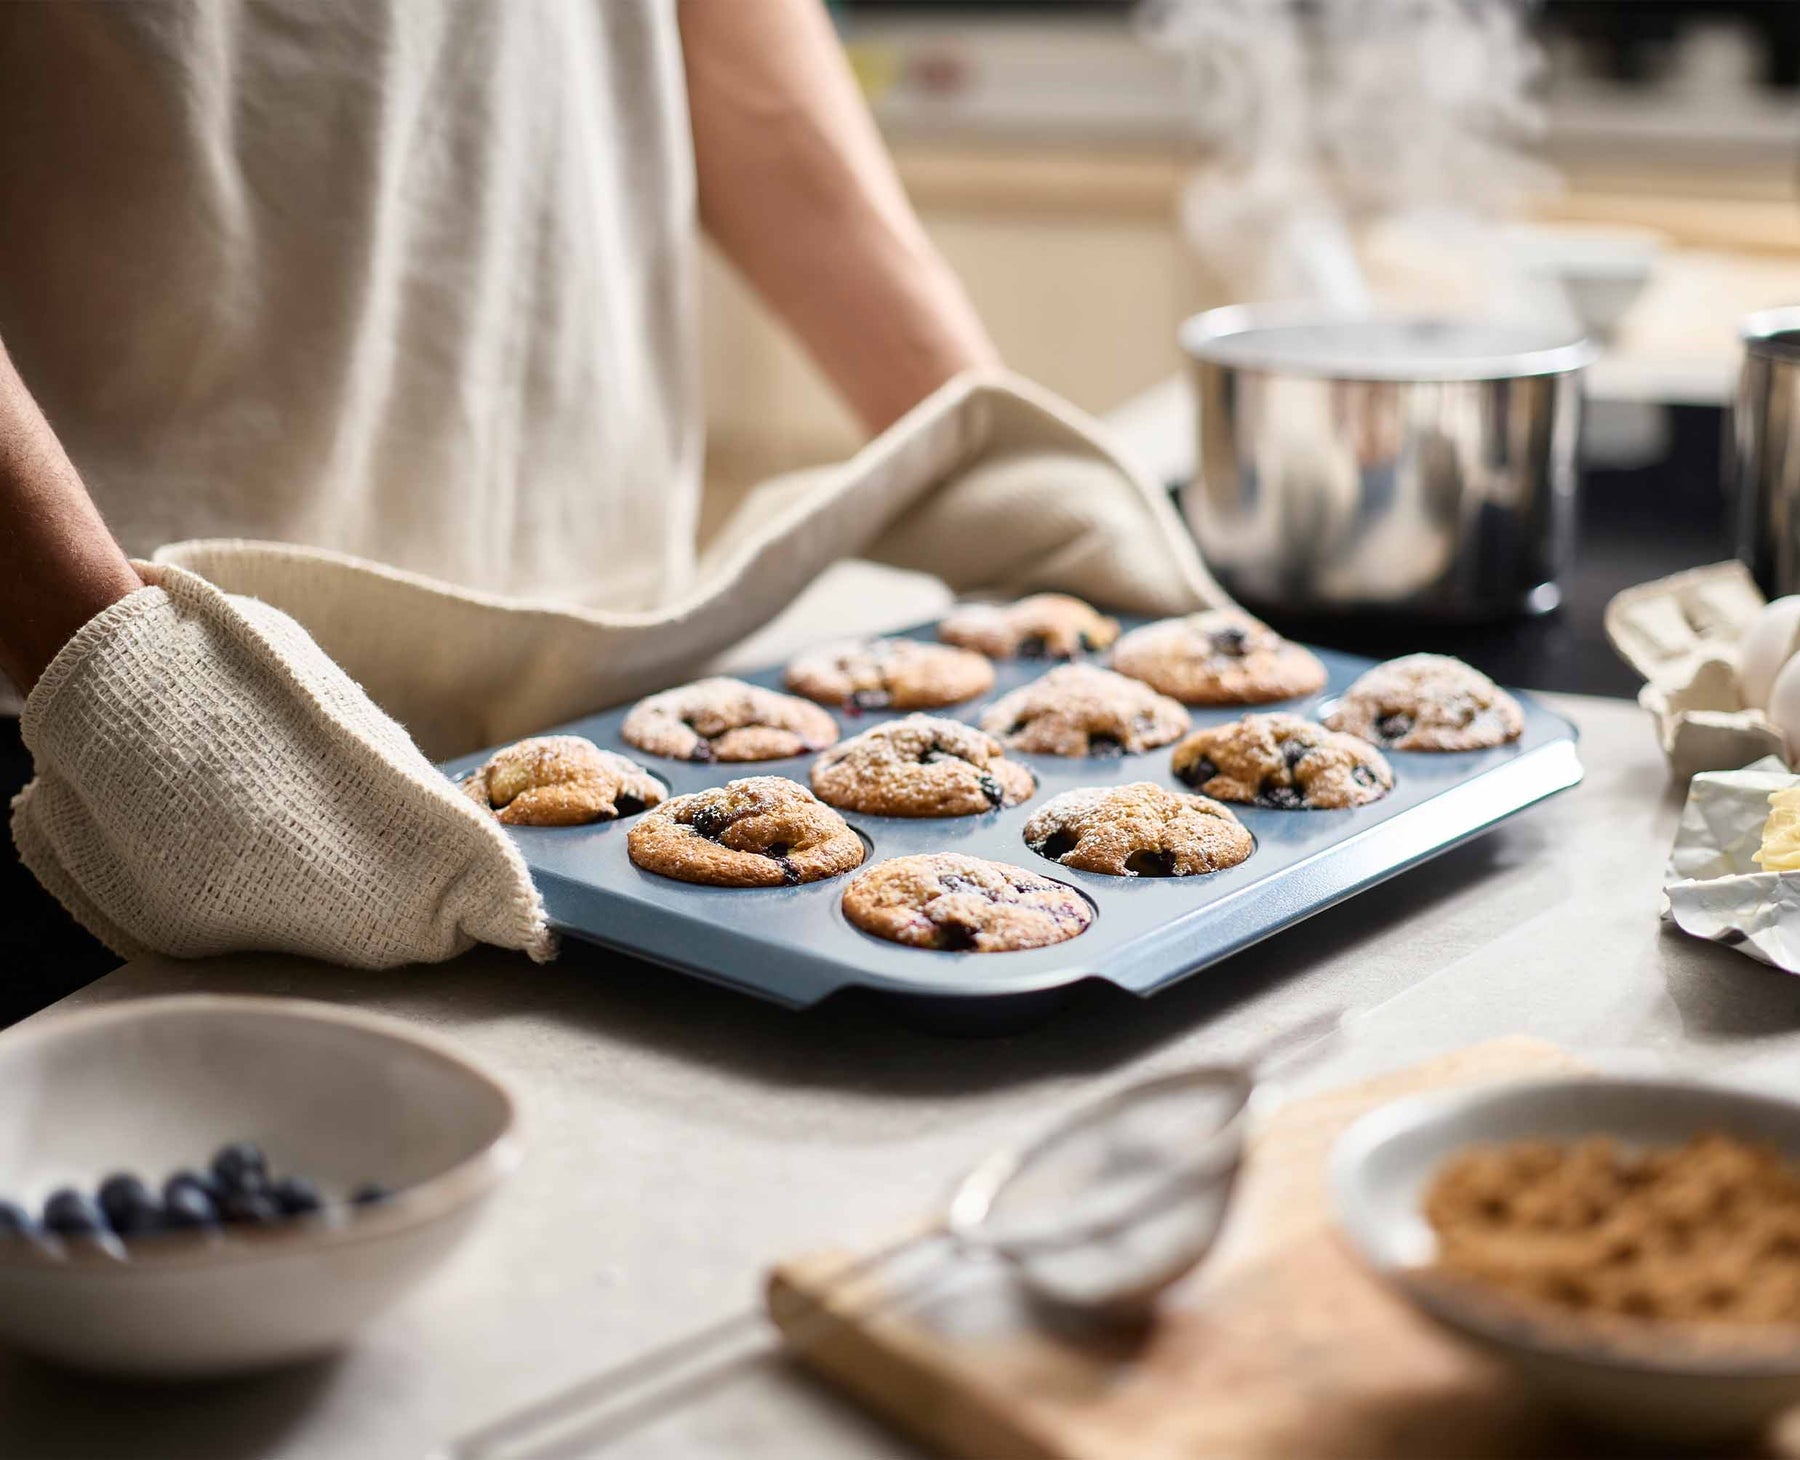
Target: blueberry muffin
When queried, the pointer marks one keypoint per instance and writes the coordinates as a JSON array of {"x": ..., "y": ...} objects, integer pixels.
[
  {"x": 762, "y": 831},
  {"x": 1219, "y": 657},
  {"x": 1140, "y": 830},
  {"x": 727, "y": 720},
  {"x": 1043, "y": 626},
  {"x": 1428, "y": 702},
  {"x": 1283, "y": 762},
  {"x": 921, "y": 766},
  {"x": 890, "y": 674},
  {"x": 961, "y": 904},
  {"x": 1081, "y": 709},
  {"x": 560, "y": 780}
]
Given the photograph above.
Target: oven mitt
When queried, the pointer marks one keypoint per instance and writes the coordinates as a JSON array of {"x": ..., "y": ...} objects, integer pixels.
[{"x": 208, "y": 780}]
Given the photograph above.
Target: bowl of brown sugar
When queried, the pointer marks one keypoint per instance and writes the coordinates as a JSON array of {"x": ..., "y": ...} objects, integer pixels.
[{"x": 1630, "y": 1246}]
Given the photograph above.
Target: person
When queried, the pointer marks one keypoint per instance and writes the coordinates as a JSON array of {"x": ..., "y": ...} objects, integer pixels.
[
  {"x": 413, "y": 280},
  {"x": 410, "y": 281}
]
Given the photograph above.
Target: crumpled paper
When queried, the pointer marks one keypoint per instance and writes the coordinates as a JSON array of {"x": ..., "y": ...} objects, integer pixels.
[{"x": 1712, "y": 889}]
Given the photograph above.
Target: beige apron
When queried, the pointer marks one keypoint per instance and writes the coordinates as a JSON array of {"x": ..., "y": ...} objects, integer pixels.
[{"x": 407, "y": 279}]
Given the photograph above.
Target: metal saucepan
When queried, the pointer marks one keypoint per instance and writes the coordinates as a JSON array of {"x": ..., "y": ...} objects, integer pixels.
[
  {"x": 1763, "y": 456},
  {"x": 1384, "y": 463}
]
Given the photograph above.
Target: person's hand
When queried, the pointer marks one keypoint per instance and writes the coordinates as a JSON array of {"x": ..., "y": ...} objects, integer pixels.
[
  {"x": 208, "y": 780},
  {"x": 1047, "y": 504},
  {"x": 1033, "y": 518}
]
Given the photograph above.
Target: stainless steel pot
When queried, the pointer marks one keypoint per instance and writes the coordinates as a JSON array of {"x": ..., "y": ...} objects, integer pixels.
[
  {"x": 1387, "y": 463},
  {"x": 1763, "y": 457}
]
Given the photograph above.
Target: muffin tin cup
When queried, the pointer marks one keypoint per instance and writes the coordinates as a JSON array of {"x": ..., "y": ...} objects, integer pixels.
[{"x": 793, "y": 945}]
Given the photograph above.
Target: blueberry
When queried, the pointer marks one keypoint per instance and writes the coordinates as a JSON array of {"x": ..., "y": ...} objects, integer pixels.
[
  {"x": 241, "y": 1166},
  {"x": 1105, "y": 747},
  {"x": 200, "y": 1181},
  {"x": 370, "y": 1194},
  {"x": 993, "y": 790},
  {"x": 1033, "y": 646},
  {"x": 188, "y": 1208},
  {"x": 870, "y": 699},
  {"x": 1363, "y": 776},
  {"x": 1280, "y": 798},
  {"x": 1230, "y": 642},
  {"x": 72, "y": 1213},
  {"x": 710, "y": 821},
  {"x": 955, "y": 937},
  {"x": 1394, "y": 727},
  {"x": 15, "y": 1221},
  {"x": 1197, "y": 772},
  {"x": 1151, "y": 864},
  {"x": 250, "y": 1209},
  {"x": 130, "y": 1208},
  {"x": 790, "y": 874},
  {"x": 296, "y": 1196}
]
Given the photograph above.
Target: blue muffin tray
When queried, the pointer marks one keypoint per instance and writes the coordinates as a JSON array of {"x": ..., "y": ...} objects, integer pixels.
[{"x": 793, "y": 944}]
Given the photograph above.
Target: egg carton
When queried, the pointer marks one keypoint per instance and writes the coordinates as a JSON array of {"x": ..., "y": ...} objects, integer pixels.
[{"x": 1684, "y": 634}]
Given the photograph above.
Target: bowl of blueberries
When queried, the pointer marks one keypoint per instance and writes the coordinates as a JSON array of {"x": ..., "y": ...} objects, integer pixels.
[{"x": 197, "y": 1185}]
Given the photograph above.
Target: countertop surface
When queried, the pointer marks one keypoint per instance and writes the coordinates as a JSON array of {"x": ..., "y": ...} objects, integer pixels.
[{"x": 682, "y": 1137}]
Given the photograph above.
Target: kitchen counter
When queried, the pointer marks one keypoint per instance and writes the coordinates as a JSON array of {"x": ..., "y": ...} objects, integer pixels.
[{"x": 681, "y": 1137}]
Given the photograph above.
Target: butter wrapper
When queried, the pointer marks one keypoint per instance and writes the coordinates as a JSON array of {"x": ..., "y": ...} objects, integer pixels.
[
  {"x": 1681, "y": 633},
  {"x": 1712, "y": 889}
]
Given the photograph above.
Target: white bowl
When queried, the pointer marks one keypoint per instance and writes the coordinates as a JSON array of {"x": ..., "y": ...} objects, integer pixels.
[
  {"x": 1382, "y": 1164},
  {"x": 1601, "y": 269},
  {"x": 333, "y": 1094}
]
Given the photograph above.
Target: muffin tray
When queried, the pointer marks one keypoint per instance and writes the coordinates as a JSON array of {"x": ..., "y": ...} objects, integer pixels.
[{"x": 793, "y": 944}]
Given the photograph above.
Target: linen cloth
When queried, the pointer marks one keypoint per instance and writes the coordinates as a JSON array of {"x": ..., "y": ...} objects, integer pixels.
[{"x": 990, "y": 483}]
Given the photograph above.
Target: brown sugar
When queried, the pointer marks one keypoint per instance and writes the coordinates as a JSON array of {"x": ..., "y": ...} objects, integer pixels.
[{"x": 1704, "y": 1232}]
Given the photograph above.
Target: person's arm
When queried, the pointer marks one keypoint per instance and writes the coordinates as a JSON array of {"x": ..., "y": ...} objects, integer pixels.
[
  {"x": 797, "y": 189},
  {"x": 59, "y": 566}
]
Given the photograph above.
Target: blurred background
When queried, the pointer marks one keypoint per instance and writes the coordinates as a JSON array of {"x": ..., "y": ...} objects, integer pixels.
[{"x": 1098, "y": 171}]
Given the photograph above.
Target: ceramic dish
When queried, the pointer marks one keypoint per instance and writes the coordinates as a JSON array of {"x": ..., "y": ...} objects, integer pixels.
[
  {"x": 152, "y": 1086},
  {"x": 1382, "y": 1165}
]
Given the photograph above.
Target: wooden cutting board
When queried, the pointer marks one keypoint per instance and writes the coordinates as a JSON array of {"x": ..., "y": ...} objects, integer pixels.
[{"x": 1281, "y": 1346}]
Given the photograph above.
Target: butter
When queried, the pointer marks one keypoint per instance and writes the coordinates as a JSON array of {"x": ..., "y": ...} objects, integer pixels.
[{"x": 1780, "y": 850}]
